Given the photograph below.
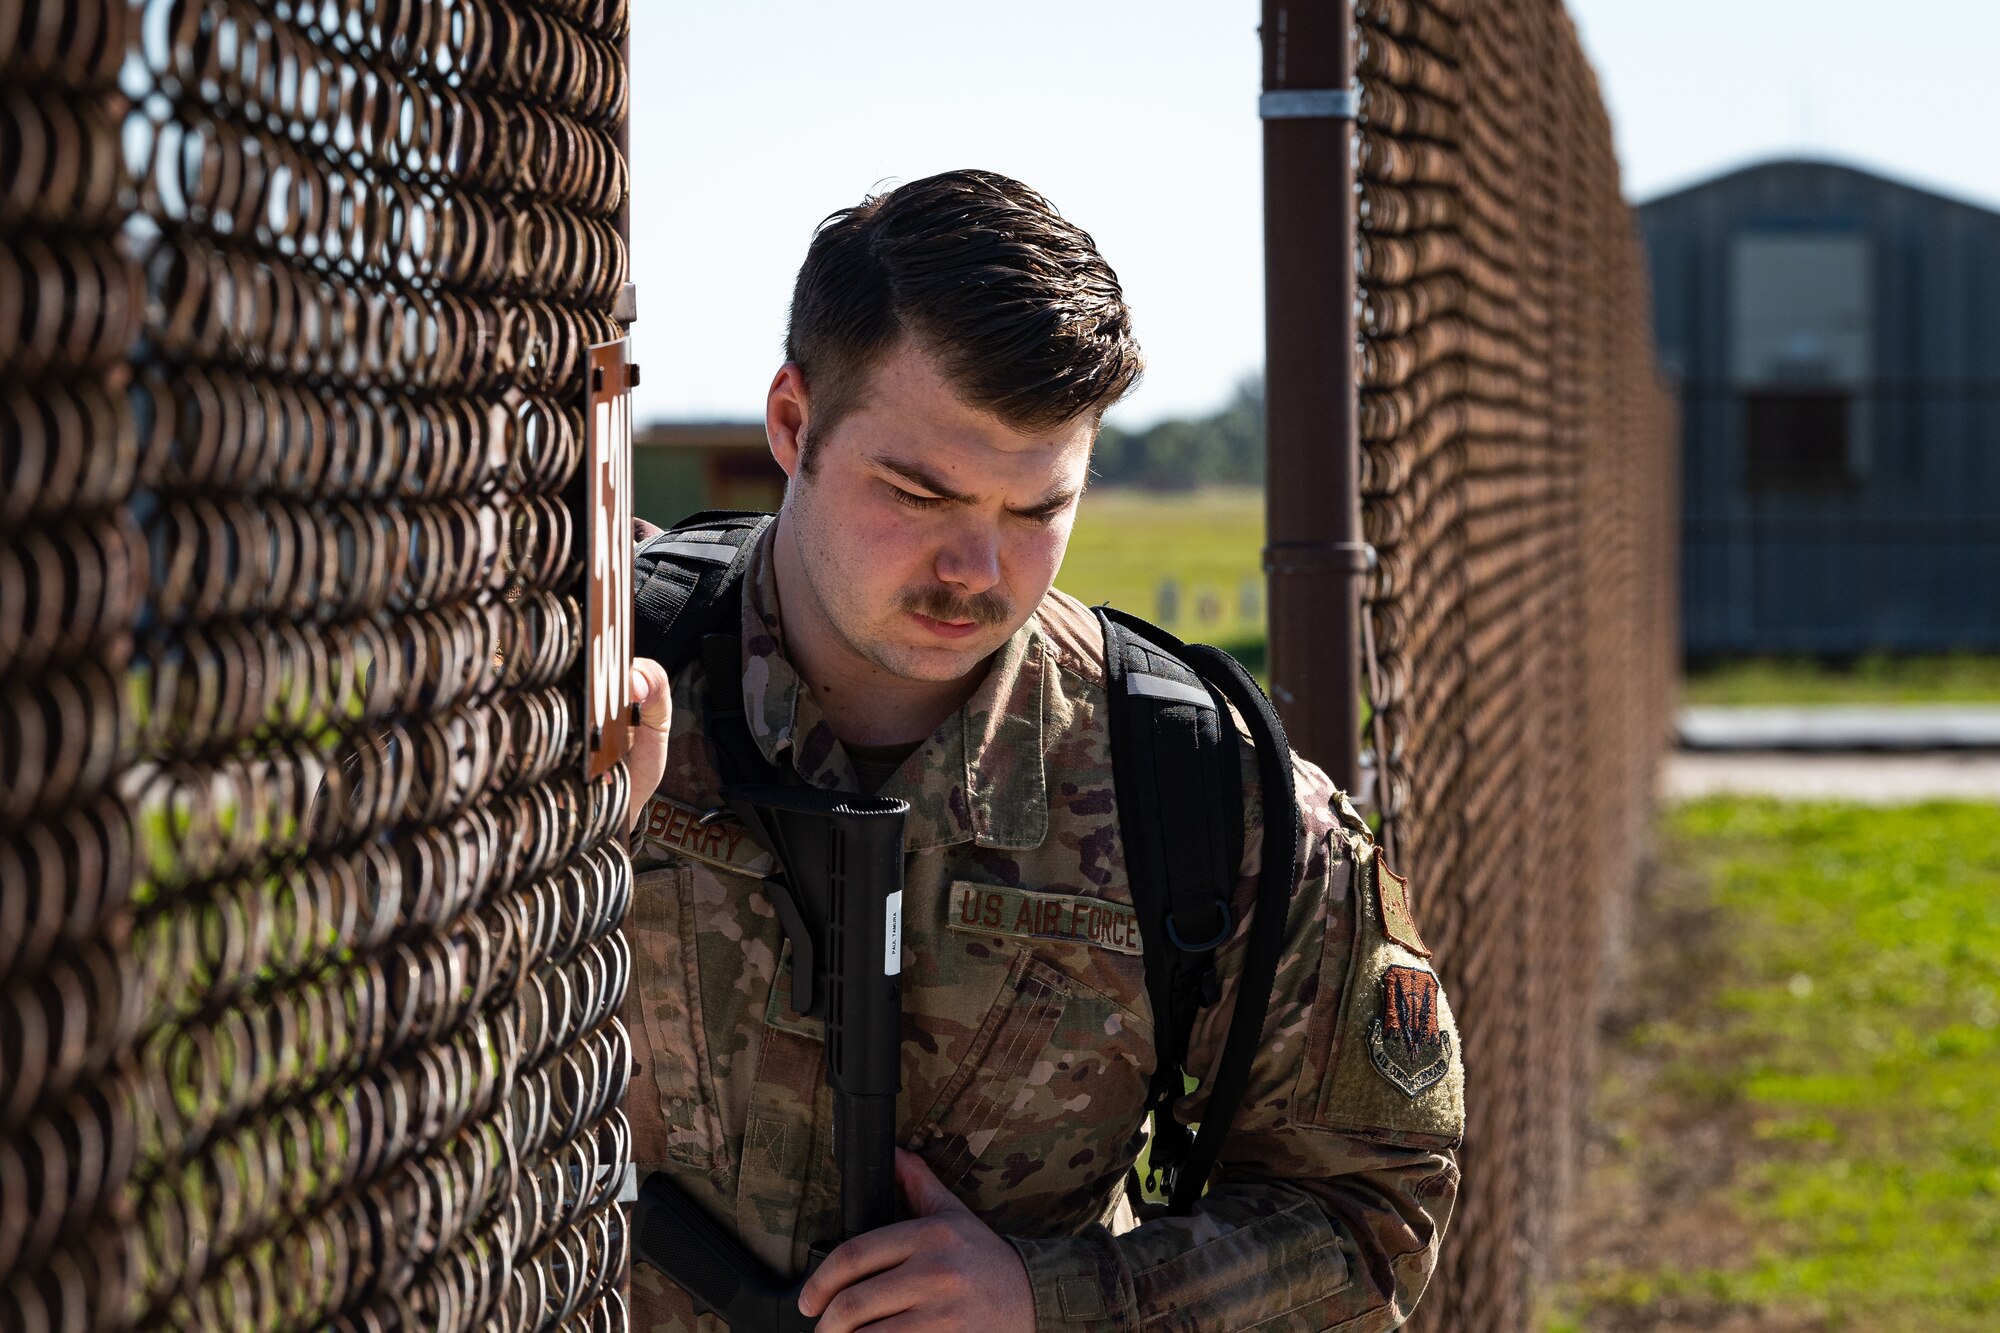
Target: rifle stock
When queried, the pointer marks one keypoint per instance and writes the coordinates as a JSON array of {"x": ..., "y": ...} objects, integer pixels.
[{"x": 672, "y": 1233}]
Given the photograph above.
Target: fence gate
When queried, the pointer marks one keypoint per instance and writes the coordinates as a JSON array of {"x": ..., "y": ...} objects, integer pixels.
[{"x": 309, "y": 959}]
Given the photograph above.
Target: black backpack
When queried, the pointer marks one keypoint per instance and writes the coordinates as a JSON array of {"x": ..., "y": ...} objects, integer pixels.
[{"x": 1175, "y": 760}]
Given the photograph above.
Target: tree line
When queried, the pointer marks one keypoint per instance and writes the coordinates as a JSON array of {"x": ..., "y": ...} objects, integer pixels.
[{"x": 1224, "y": 448}]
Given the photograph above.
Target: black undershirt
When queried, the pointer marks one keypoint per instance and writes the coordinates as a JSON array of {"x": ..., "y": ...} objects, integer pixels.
[{"x": 876, "y": 764}]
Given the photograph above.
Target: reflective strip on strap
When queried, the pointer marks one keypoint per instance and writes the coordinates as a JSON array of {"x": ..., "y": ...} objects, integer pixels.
[
  {"x": 1159, "y": 687},
  {"x": 714, "y": 552}
]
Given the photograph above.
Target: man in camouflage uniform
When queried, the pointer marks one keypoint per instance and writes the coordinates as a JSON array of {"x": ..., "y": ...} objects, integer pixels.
[{"x": 900, "y": 635}]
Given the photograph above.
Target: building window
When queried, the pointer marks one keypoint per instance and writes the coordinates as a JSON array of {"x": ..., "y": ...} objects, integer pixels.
[{"x": 1797, "y": 440}]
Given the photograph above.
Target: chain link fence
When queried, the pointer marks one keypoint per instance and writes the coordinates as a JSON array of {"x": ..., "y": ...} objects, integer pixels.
[
  {"x": 309, "y": 959},
  {"x": 1519, "y": 623}
]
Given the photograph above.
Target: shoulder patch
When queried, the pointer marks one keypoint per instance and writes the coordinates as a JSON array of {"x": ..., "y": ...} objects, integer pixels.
[
  {"x": 1407, "y": 1044},
  {"x": 1388, "y": 1065},
  {"x": 1399, "y": 920}
]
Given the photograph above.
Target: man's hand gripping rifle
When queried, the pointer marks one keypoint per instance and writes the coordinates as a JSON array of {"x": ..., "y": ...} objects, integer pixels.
[{"x": 839, "y": 894}]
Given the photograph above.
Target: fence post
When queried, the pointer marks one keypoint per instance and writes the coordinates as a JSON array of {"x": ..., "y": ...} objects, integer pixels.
[{"x": 1313, "y": 555}]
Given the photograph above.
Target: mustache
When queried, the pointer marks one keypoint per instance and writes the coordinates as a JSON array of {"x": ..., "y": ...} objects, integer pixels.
[{"x": 941, "y": 603}]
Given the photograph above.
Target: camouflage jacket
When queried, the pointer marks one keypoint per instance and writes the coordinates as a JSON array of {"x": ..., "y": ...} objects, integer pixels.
[{"x": 1027, "y": 1042}]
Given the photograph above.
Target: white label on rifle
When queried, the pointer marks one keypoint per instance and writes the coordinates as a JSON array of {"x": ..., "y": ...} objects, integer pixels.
[
  {"x": 628, "y": 1184},
  {"x": 892, "y": 947}
]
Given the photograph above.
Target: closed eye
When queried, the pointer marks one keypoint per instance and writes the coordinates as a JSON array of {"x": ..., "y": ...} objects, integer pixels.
[{"x": 915, "y": 501}]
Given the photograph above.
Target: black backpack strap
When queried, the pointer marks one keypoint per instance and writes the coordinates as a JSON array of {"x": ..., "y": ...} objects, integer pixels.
[
  {"x": 687, "y": 584},
  {"x": 1180, "y": 815},
  {"x": 1180, "y": 821},
  {"x": 1278, "y": 871},
  {"x": 737, "y": 757},
  {"x": 688, "y": 597}
]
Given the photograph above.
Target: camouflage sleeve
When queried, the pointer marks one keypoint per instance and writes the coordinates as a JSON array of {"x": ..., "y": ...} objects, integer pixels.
[{"x": 1339, "y": 1174}]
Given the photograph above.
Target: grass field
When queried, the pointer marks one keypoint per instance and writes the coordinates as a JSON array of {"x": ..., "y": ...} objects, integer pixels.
[
  {"x": 1129, "y": 543},
  {"x": 1208, "y": 543},
  {"x": 1799, "y": 1124},
  {"x": 1880, "y": 679}
]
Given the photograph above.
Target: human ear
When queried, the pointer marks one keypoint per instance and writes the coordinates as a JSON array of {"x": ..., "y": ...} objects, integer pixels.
[{"x": 786, "y": 415}]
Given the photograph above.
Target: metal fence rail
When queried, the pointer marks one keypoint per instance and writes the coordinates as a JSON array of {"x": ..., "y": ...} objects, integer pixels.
[
  {"x": 309, "y": 959},
  {"x": 1518, "y": 626}
]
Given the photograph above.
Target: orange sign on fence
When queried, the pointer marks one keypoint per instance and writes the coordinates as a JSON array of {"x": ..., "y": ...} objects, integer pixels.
[{"x": 608, "y": 528}]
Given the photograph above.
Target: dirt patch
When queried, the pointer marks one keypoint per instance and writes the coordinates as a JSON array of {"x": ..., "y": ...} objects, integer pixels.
[{"x": 1664, "y": 1147}]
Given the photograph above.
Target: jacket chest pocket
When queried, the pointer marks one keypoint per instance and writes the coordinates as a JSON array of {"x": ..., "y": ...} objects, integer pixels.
[
  {"x": 1047, "y": 1096},
  {"x": 667, "y": 988}
]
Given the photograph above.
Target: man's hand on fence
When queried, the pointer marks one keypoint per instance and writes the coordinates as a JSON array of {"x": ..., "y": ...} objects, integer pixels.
[
  {"x": 648, "y": 759},
  {"x": 942, "y": 1270}
]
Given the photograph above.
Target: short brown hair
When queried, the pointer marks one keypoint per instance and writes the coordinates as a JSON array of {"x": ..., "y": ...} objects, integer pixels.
[{"x": 1025, "y": 317}]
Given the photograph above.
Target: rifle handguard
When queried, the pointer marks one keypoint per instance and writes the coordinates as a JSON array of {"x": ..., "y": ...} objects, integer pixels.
[
  {"x": 839, "y": 894},
  {"x": 841, "y": 858}
]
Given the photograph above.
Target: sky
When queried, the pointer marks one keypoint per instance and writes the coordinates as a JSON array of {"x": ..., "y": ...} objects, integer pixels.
[{"x": 753, "y": 120}]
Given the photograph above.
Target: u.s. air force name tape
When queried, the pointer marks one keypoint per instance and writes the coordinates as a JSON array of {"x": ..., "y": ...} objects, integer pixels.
[
  {"x": 673, "y": 829},
  {"x": 992, "y": 909}
]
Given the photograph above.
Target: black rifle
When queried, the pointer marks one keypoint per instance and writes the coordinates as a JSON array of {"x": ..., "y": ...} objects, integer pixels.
[{"x": 838, "y": 890}]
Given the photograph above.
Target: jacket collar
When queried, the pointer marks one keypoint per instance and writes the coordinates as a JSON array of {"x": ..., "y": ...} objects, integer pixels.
[{"x": 979, "y": 777}]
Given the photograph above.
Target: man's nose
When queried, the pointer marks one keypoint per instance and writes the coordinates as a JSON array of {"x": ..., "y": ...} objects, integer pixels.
[{"x": 970, "y": 560}]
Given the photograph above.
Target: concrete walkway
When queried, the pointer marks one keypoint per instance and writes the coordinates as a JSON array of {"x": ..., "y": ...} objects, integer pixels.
[
  {"x": 1872, "y": 779},
  {"x": 1877, "y": 754},
  {"x": 1906, "y": 727}
]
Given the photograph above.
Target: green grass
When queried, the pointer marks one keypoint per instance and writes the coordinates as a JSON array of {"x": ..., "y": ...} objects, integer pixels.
[
  {"x": 1127, "y": 543},
  {"x": 1847, "y": 1025},
  {"x": 1876, "y": 679},
  {"x": 1208, "y": 542}
]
